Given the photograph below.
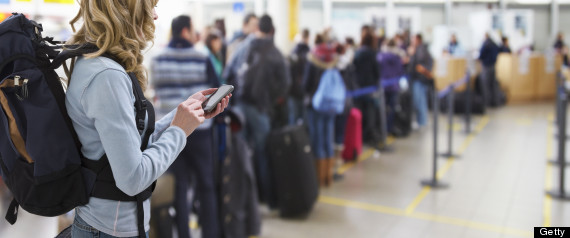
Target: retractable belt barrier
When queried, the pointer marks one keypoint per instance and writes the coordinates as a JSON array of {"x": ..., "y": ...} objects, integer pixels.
[
  {"x": 449, "y": 91},
  {"x": 561, "y": 110},
  {"x": 436, "y": 96},
  {"x": 379, "y": 89},
  {"x": 371, "y": 89}
]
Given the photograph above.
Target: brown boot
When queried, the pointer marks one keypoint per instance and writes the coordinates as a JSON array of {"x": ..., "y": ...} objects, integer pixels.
[
  {"x": 330, "y": 170},
  {"x": 318, "y": 170},
  {"x": 321, "y": 172},
  {"x": 326, "y": 172}
]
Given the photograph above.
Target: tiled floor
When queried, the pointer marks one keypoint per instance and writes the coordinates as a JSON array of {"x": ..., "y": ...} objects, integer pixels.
[{"x": 496, "y": 187}]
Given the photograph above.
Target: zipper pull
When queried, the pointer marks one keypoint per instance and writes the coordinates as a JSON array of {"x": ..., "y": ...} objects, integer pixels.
[
  {"x": 25, "y": 93},
  {"x": 16, "y": 81}
]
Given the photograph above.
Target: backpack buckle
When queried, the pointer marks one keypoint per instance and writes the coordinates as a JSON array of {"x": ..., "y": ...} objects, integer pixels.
[
  {"x": 21, "y": 90},
  {"x": 140, "y": 125}
]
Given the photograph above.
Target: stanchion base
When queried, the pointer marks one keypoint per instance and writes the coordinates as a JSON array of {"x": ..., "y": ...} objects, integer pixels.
[
  {"x": 558, "y": 195},
  {"x": 434, "y": 183},
  {"x": 567, "y": 137},
  {"x": 557, "y": 163},
  {"x": 338, "y": 177},
  {"x": 386, "y": 148},
  {"x": 449, "y": 156}
]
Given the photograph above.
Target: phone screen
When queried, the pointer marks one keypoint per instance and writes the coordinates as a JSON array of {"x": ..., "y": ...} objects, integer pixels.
[{"x": 216, "y": 97}]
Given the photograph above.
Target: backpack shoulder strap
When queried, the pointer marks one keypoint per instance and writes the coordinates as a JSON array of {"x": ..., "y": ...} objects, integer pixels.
[
  {"x": 72, "y": 51},
  {"x": 142, "y": 107}
]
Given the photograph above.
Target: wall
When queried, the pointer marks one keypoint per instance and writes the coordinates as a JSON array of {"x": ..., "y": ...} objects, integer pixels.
[
  {"x": 431, "y": 16},
  {"x": 564, "y": 20},
  {"x": 542, "y": 36}
]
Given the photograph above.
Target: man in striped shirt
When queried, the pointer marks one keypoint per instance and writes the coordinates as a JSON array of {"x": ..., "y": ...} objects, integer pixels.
[{"x": 177, "y": 73}]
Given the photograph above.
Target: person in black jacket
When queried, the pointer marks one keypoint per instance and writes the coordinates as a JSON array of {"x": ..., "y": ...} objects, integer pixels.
[
  {"x": 321, "y": 125},
  {"x": 367, "y": 74},
  {"x": 266, "y": 80},
  {"x": 298, "y": 61},
  {"x": 561, "y": 48},
  {"x": 488, "y": 58},
  {"x": 505, "y": 48}
]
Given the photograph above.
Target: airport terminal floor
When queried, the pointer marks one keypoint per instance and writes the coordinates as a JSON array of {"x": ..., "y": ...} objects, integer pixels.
[{"x": 497, "y": 186}]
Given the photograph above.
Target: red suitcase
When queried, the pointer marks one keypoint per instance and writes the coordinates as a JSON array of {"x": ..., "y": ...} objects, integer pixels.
[{"x": 353, "y": 136}]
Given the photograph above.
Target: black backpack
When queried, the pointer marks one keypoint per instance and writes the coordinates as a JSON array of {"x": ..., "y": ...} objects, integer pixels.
[{"x": 40, "y": 156}]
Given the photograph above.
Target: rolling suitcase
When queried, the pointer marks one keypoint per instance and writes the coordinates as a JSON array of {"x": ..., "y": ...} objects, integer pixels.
[
  {"x": 353, "y": 136},
  {"x": 403, "y": 115},
  {"x": 293, "y": 169}
]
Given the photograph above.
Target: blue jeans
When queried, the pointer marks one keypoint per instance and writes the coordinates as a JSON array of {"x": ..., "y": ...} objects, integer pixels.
[
  {"x": 257, "y": 128},
  {"x": 339, "y": 127},
  {"x": 420, "y": 102},
  {"x": 321, "y": 130},
  {"x": 80, "y": 229},
  {"x": 391, "y": 101},
  {"x": 296, "y": 110},
  {"x": 196, "y": 161}
]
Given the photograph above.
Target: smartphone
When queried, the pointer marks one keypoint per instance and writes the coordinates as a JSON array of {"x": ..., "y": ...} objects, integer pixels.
[{"x": 210, "y": 104}]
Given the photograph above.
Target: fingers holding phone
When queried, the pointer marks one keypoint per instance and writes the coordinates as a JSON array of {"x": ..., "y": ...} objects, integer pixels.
[
  {"x": 189, "y": 115},
  {"x": 211, "y": 104},
  {"x": 197, "y": 108},
  {"x": 220, "y": 107},
  {"x": 202, "y": 94}
]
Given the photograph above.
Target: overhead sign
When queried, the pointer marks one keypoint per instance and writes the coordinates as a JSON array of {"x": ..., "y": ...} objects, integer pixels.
[
  {"x": 4, "y": 1},
  {"x": 238, "y": 7}
]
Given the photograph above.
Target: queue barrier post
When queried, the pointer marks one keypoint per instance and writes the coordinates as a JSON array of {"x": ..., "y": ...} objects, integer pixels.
[
  {"x": 433, "y": 181},
  {"x": 383, "y": 146},
  {"x": 560, "y": 192}
]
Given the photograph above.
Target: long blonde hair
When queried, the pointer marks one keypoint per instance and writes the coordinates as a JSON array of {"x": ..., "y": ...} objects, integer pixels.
[{"x": 121, "y": 28}]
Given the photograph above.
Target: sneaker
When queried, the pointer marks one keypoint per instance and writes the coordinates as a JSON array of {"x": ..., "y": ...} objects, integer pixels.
[{"x": 415, "y": 125}]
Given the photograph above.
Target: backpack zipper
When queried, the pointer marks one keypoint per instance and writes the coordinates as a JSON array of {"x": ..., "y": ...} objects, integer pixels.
[{"x": 21, "y": 91}]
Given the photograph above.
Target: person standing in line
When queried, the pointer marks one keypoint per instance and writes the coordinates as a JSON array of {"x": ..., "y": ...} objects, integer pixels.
[
  {"x": 392, "y": 69},
  {"x": 561, "y": 48},
  {"x": 238, "y": 50},
  {"x": 297, "y": 63},
  {"x": 178, "y": 71},
  {"x": 505, "y": 48},
  {"x": 419, "y": 69},
  {"x": 265, "y": 84},
  {"x": 220, "y": 25},
  {"x": 321, "y": 125},
  {"x": 214, "y": 47},
  {"x": 367, "y": 74},
  {"x": 488, "y": 57}
]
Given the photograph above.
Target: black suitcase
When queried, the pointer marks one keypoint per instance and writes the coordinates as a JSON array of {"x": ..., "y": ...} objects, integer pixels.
[
  {"x": 293, "y": 169},
  {"x": 460, "y": 103},
  {"x": 403, "y": 115}
]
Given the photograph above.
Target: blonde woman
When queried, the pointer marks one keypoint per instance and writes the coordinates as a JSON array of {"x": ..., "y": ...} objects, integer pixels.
[{"x": 100, "y": 101}]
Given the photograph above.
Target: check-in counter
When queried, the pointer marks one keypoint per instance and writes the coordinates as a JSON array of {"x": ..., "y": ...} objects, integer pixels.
[
  {"x": 546, "y": 85},
  {"x": 449, "y": 70},
  {"x": 519, "y": 75},
  {"x": 527, "y": 78}
]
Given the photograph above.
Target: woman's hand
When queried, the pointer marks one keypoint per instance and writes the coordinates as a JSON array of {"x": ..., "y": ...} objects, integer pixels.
[
  {"x": 189, "y": 115},
  {"x": 219, "y": 108}
]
